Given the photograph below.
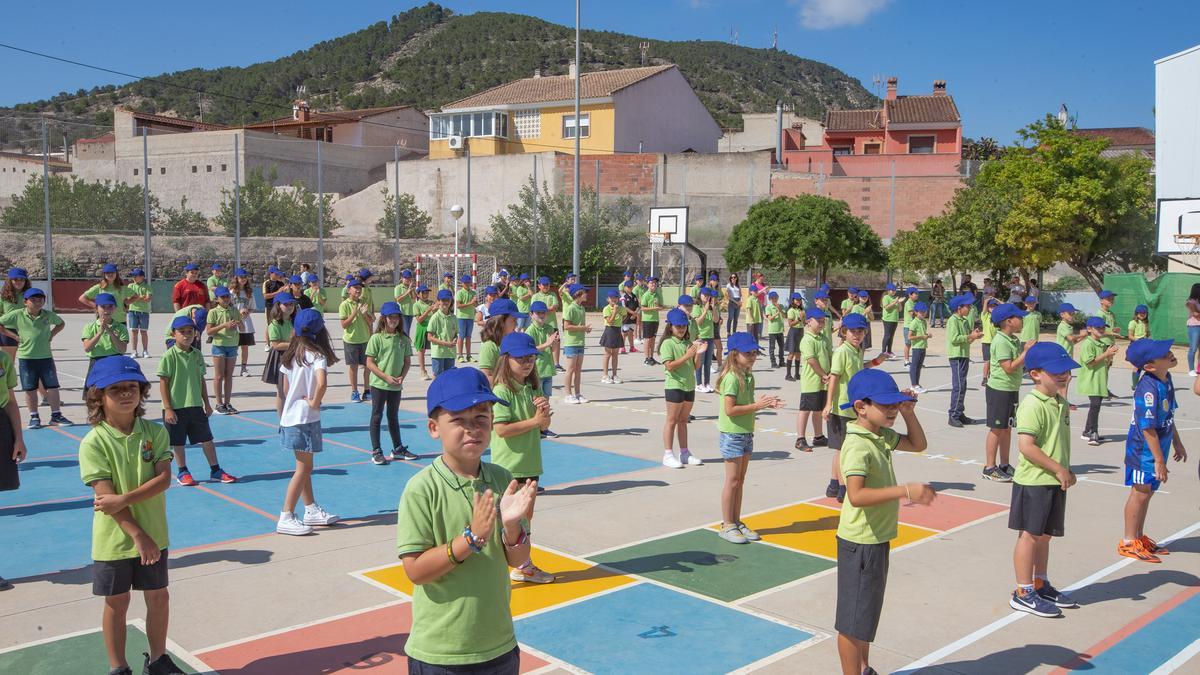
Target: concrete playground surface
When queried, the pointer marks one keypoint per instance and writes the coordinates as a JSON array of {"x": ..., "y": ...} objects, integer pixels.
[{"x": 644, "y": 584}]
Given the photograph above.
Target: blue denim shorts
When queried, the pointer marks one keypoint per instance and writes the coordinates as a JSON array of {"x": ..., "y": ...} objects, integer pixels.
[
  {"x": 226, "y": 352},
  {"x": 907, "y": 340},
  {"x": 37, "y": 371},
  {"x": 301, "y": 438},
  {"x": 547, "y": 386},
  {"x": 572, "y": 352},
  {"x": 465, "y": 326},
  {"x": 138, "y": 320},
  {"x": 735, "y": 446}
]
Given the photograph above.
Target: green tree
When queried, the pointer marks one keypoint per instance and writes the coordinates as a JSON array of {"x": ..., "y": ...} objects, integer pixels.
[
  {"x": 544, "y": 220},
  {"x": 182, "y": 220},
  {"x": 267, "y": 211},
  {"x": 810, "y": 231},
  {"x": 78, "y": 205},
  {"x": 414, "y": 223}
]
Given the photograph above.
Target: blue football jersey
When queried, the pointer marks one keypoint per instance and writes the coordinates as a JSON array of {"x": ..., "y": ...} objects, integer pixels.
[{"x": 1153, "y": 408}]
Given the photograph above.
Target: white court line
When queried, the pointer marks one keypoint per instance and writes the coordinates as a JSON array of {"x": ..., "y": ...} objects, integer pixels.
[
  {"x": 174, "y": 648},
  {"x": 1178, "y": 660},
  {"x": 1120, "y": 485},
  {"x": 968, "y": 640}
]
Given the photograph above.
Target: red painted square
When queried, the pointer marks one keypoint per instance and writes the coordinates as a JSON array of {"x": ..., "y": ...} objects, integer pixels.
[
  {"x": 371, "y": 641},
  {"x": 945, "y": 513}
]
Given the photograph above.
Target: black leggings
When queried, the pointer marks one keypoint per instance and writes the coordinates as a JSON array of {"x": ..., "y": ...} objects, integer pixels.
[
  {"x": 776, "y": 340},
  {"x": 915, "y": 364},
  {"x": 889, "y": 333},
  {"x": 1093, "y": 418},
  {"x": 380, "y": 398}
]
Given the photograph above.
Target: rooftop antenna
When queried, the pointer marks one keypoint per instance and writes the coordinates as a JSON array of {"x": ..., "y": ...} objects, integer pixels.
[
  {"x": 775, "y": 38},
  {"x": 733, "y": 35},
  {"x": 644, "y": 48}
]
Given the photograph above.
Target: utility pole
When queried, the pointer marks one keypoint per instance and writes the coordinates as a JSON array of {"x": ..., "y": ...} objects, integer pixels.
[
  {"x": 575, "y": 205},
  {"x": 49, "y": 250},
  {"x": 146, "y": 204}
]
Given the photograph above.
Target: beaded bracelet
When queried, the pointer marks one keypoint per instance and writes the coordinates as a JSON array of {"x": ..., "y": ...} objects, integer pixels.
[
  {"x": 472, "y": 540},
  {"x": 450, "y": 553}
]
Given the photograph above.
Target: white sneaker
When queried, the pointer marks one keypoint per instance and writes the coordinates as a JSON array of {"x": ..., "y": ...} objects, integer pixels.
[
  {"x": 245, "y": 372},
  {"x": 570, "y": 398},
  {"x": 1085, "y": 437},
  {"x": 1192, "y": 373},
  {"x": 686, "y": 457},
  {"x": 670, "y": 462},
  {"x": 918, "y": 389},
  {"x": 289, "y": 524},
  {"x": 605, "y": 380},
  {"x": 315, "y": 515},
  {"x": 616, "y": 380},
  {"x": 581, "y": 399}
]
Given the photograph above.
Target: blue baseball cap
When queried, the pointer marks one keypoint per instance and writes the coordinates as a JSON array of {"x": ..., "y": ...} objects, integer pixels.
[
  {"x": 448, "y": 275},
  {"x": 576, "y": 288},
  {"x": 422, "y": 288},
  {"x": 106, "y": 299},
  {"x": 503, "y": 273},
  {"x": 351, "y": 277},
  {"x": 523, "y": 277},
  {"x": 490, "y": 290},
  {"x": 295, "y": 279},
  {"x": 825, "y": 286},
  {"x": 1030, "y": 300},
  {"x": 389, "y": 308},
  {"x": 627, "y": 273},
  {"x": 960, "y": 301},
  {"x": 698, "y": 277},
  {"x": 1067, "y": 307},
  {"x": 241, "y": 272},
  {"x": 1141, "y": 309},
  {"x": 741, "y": 341},
  {"x": 182, "y": 322},
  {"x": 1107, "y": 294},
  {"x": 796, "y": 295},
  {"x": 677, "y": 317},
  {"x": 545, "y": 281},
  {"x": 406, "y": 274},
  {"x": 309, "y": 278},
  {"x": 190, "y": 267},
  {"x": 465, "y": 279},
  {"x": 876, "y": 386},
  {"x": 109, "y": 268},
  {"x": 854, "y": 321},
  {"x": 33, "y": 292},
  {"x": 864, "y": 294},
  {"x": 17, "y": 273},
  {"x": 814, "y": 313},
  {"x": 637, "y": 277},
  {"x": 649, "y": 279},
  {"x": 364, "y": 273},
  {"x": 274, "y": 270},
  {"x": 852, "y": 290},
  {"x": 571, "y": 275},
  {"x": 458, "y": 389},
  {"x": 706, "y": 291},
  {"x": 773, "y": 295},
  {"x": 538, "y": 306},
  {"x": 614, "y": 294},
  {"x": 518, "y": 345},
  {"x": 910, "y": 290},
  {"x": 353, "y": 283},
  {"x": 1095, "y": 322},
  {"x": 308, "y": 323},
  {"x": 1050, "y": 357},
  {"x": 889, "y": 287},
  {"x": 114, "y": 369},
  {"x": 686, "y": 299},
  {"x": 505, "y": 307},
  {"x": 920, "y": 307},
  {"x": 627, "y": 284},
  {"x": 200, "y": 316},
  {"x": 713, "y": 276},
  {"x": 821, "y": 295},
  {"x": 445, "y": 294},
  {"x": 137, "y": 272},
  {"x": 217, "y": 266},
  {"x": 1141, "y": 352},
  {"x": 284, "y": 299},
  {"x": 221, "y": 292},
  {"x": 1007, "y": 311},
  {"x": 993, "y": 302}
]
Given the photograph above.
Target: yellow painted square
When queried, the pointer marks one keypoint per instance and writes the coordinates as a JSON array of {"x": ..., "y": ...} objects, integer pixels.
[
  {"x": 810, "y": 528},
  {"x": 573, "y": 579}
]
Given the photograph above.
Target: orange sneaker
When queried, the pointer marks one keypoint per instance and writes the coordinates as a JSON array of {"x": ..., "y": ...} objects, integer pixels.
[
  {"x": 1153, "y": 546},
  {"x": 1138, "y": 551}
]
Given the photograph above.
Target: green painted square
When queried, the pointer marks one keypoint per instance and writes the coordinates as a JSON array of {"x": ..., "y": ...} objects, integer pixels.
[
  {"x": 703, "y": 562},
  {"x": 77, "y": 654}
]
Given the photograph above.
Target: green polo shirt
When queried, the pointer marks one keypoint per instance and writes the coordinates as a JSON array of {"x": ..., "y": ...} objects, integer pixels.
[
  {"x": 134, "y": 289},
  {"x": 33, "y": 331},
  {"x": 704, "y": 328},
  {"x": 918, "y": 326},
  {"x": 359, "y": 331},
  {"x": 1031, "y": 325},
  {"x": 575, "y": 315},
  {"x": 185, "y": 311},
  {"x": 989, "y": 328},
  {"x": 845, "y": 362},
  {"x": 742, "y": 392},
  {"x": 127, "y": 461},
  {"x": 795, "y": 317},
  {"x": 105, "y": 346},
  {"x": 280, "y": 331},
  {"x": 1137, "y": 330},
  {"x": 227, "y": 337},
  {"x": 443, "y": 326},
  {"x": 523, "y": 297},
  {"x": 774, "y": 315},
  {"x": 908, "y": 312},
  {"x": 752, "y": 310},
  {"x": 390, "y": 351},
  {"x": 8, "y": 378},
  {"x": 521, "y": 454},
  {"x": 419, "y": 308},
  {"x": 186, "y": 372},
  {"x": 891, "y": 308},
  {"x": 489, "y": 354},
  {"x": 317, "y": 297},
  {"x": 813, "y": 346},
  {"x": 957, "y": 333},
  {"x": 118, "y": 292},
  {"x": 654, "y": 301},
  {"x": 551, "y": 301},
  {"x": 406, "y": 302},
  {"x": 870, "y": 456},
  {"x": 545, "y": 358},
  {"x": 464, "y": 303},
  {"x": 213, "y": 281},
  {"x": 1062, "y": 336},
  {"x": 682, "y": 378},
  {"x": 1005, "y": 348},
  {"x": 462, "y": 617},
  {"x": 1092, "y": 380},
  {"x": 1047, "y": 420},
  {"x": 1111, "y": 320}
]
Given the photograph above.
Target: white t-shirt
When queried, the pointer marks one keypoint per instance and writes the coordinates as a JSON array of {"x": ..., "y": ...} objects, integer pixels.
[
  {"x": 302, "y": 383},
  {"x": 243, "y": 302},
  {"x": 482, "y": 308}
]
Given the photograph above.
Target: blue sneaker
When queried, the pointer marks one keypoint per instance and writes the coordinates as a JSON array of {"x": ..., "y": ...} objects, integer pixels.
[
  {"x": 1034, "y": 604},
  {"x": 366, "y": 396},
  {"x": 355, "y": 398},
  {"x": 1052, "y": 594}
]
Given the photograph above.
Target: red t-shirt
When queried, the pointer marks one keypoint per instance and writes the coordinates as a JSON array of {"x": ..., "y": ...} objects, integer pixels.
[{"x": 190, "y": 293}]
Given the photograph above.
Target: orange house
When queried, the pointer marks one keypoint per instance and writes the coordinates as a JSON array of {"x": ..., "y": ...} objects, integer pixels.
[{"x": 918, "y": 135}]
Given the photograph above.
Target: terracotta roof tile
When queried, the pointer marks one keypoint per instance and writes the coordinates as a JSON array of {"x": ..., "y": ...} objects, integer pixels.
[
  {"x": 176, "y": 121},
  {"x": 558, "y": 88},
  {"x": 331, "y": 117},
  {"x": 852, "y": 120},
  {"x": 103, "y": 138},
  {"x": 1119, "y": 136},
  {"x": 922, "y": 109}
]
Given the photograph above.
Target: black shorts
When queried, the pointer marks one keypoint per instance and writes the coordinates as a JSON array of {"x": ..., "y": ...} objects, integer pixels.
[
  {"x": 1001, "y": 407},
  {"x": 6, "y": 341},
  {"x": 987, "y": 352},
  {"x": 1038, "y": 509},
  {"x": 10, "y": 477},
  {"x": 356, "y": 354},
  {"x": 114, "y": 577},
  {"x": 813, "y": 401},
  {"x": 509, "y": 662},
  {"x": 611, "y": 338},
  {"x": 861, "y": 581},
  {"x": 716, "y": 330},
  {"x": 679, "y": 396},
  {"x": 837, "y": 429},
  {"x": 245, "y": 339},
  {"x": 649, "y": 329},
  {"x": 191, "y": 426}
]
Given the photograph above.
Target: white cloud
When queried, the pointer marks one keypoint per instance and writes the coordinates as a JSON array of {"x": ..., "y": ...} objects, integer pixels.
[{"x": 825, "y": 14}]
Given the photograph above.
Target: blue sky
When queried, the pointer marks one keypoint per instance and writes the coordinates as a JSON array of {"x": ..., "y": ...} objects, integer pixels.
[{"x": 1006, "y": 63}]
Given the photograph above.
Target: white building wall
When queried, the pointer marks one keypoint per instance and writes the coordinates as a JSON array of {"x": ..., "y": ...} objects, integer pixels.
[
  {"x": 663, "y": 114},
  {"x": 759, "y": 132},
  {"x": 1177, "y": 137}
]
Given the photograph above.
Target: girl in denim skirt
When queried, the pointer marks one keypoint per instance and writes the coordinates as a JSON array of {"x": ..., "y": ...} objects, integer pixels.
[
  {"x": 304, "y": 369},
  {"x": 736, "y": 426}
]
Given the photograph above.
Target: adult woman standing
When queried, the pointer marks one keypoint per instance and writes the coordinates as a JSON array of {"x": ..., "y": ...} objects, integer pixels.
[
  {"x": 733, "y": 295},
  {"x": 1193, "y": 327},
  {"x": 937, "y": 304}
]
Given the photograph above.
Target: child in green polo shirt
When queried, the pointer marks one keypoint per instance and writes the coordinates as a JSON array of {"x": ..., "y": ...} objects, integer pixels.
[
  {"x": 186, "y": 409},
  {"x": 1138, "y": 329},
  {"x": 110, "y": 282},
  {"x": 137, "y": 318},
  {"x": 126, "y": 460},
  {"x": 575, "y": 327},
  {"x": 389, "y": 355},
  {"x": 815, "y": 355},
  {"x": 869, "y": 518},
  {"x": 735, "y": 422},
  {"x": 443, "y": 333},
  {"x": 279, "y": 338},
  {"x": 1031, "y": 323},
  {"x": 918, "y": 338},
  {"x": 846, "y": 360},
  {"x": 12, "y": 443},
  {"x": 651, "y": 301},
  {"x": 423, "y": 309},
  {"x": 34, "y": 327},
  {"x": 1095, "y": 357},
  {"x": 355, "y": 315},
  {"x": 1039, "y": 492},
  {"x": 891, "y": 304},
  {"x": 906, "y": 317},
  {"x": 502, "y": 320},
  {"x": 405, "y": 293},
  {"x": 795, "y": 331},
  {"x": 545, "y": 335},
  {"x": 1064, "y": 334},
  {"x": 1003, "y": 390},
  {"x": 105, "y": 336},
  {"x": 989, "y": 333},
  {"x": 222, "y": 327},
  {"x": 550, "y": 299},
  {"x": 460, "y": 608},
  {"x": 775, "y": 319},
  {"x": 680, "y": 357},
  {"x": 464, "y": 312}
]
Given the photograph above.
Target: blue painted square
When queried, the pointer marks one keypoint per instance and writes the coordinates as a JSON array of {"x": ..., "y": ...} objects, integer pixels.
[{"x": 650, "y": 629}]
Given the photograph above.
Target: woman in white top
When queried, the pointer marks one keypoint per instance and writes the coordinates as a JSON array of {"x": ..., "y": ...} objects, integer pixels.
[{"x": 733, "y": 296}]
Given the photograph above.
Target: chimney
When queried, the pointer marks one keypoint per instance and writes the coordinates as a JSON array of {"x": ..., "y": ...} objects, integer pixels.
[
  {"x": 300, "y": 110},
  {"x": 537, "y": 73},
  {"x": 891, "y": 90},
  {"x": 939, "y": 87},
  {"x": 572, "y": 70}
]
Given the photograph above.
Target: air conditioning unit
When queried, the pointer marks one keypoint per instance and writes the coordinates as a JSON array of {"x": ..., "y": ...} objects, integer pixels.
[{"x": 456, "y": 142}]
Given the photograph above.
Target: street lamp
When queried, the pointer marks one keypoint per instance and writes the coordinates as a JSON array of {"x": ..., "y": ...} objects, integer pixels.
[{"x": 456, "y": 212}]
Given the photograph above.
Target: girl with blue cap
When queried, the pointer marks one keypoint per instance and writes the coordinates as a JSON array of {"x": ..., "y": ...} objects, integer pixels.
[
  {"x": 614, "y": 316},
  {"x": 389, "y": 356},
  {"x": 242, "y": 298},
  {"x": 137, "y": 302},
  {"x": 110, "y": 282},
  {"x": 12, "y": 296}
]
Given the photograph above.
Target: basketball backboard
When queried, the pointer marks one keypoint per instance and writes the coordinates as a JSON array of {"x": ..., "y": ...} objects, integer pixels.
[
  {"x": 1176, "y": 217},
  {"x": 671, "y": 222}
]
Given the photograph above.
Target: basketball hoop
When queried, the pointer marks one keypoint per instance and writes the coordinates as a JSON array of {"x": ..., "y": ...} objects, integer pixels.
[
  {"x": 657, "y": 239},
  {"x": 1189, "y": 244}
]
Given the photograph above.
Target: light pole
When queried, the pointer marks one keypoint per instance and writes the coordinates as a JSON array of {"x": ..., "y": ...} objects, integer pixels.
[
  {"x": 575, "y": 200},
  {"x": 456, "y": 212}
]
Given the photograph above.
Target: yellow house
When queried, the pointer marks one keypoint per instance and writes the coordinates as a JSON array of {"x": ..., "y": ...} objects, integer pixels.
[{"x": 651, "y": 109}]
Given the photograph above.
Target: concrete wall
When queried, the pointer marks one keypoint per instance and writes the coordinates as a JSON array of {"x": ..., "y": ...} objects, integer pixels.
[
  {"x": 663, "y": 114},
  {"x": 758, "y": 132},
  {"x": 14, "y": 175}
]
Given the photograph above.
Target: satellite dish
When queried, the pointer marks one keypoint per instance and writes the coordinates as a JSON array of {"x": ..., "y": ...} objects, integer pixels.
[{"x": 1063, "y": 117}]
